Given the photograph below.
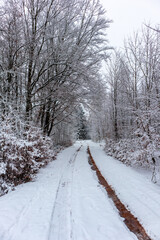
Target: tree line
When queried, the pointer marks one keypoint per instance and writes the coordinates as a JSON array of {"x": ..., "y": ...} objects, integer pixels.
[
  {"x": 130, "y": 107},
  {"x": 50, "y": 55}
]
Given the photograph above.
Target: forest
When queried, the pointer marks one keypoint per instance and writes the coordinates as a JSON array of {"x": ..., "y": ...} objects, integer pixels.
[{"x": 61, "y": 80}]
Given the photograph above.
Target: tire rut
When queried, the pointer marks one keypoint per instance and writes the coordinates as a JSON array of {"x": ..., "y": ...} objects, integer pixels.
[
  {"x": 130, "y": 220},
  {"x": 62, "y": 184}
]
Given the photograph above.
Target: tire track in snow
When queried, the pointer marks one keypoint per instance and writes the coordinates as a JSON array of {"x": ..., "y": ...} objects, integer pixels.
[
  {"x": 61, "y": 210},
  {"x": 7, "y": 234},
  {"x": 131, "y": 222}
]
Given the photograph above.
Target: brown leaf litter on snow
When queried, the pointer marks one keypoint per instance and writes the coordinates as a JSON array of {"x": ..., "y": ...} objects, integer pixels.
[{"x": 129, "y": 219}]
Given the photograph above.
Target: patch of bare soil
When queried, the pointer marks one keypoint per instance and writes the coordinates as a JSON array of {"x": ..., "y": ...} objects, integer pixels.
[{"x": 131, "y": 221}]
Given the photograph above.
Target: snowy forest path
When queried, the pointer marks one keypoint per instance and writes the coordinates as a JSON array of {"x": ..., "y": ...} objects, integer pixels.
[{"x": 65, "y": 202}]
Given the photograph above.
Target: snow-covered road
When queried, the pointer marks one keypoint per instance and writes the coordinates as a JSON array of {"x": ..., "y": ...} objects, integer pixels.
[{"x": 66, "y": 202}]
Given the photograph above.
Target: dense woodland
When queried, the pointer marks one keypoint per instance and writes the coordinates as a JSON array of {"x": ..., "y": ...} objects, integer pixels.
[
  {"x": 131, "y": 107},
  {"x": 54, "y": 89}
]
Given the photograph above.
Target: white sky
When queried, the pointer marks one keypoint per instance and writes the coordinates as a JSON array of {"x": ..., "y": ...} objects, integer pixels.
[{"x": 128, "y": 16}]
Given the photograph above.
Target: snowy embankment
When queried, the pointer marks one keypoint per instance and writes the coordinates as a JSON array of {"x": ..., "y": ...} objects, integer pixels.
[
  {"x": 65, "y": 202},
  {"x": 134, "y": 189},
  {"x": 141, "y": 152}
]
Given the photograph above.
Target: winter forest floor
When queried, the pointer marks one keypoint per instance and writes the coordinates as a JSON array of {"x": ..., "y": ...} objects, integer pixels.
[{"x": 67, "y": 202}]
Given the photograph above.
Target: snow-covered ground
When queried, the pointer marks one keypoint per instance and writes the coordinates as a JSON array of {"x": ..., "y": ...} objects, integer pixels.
[
  {"x": 66, "y": 201},
  {"x": 133, "y": 187}
]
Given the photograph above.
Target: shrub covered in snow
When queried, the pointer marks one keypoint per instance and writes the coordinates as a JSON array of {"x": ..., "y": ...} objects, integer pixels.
[
  {"x": 141, "y": 151},
  {"x": 21, "y": 157}
]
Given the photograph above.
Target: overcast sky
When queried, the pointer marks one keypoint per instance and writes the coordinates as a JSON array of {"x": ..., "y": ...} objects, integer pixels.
[{"x": 128, "y": 16}]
